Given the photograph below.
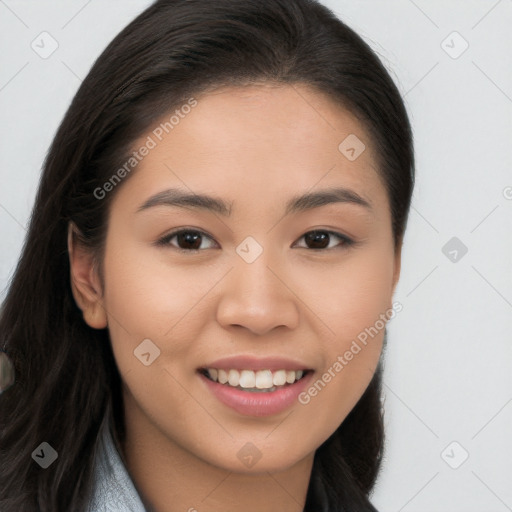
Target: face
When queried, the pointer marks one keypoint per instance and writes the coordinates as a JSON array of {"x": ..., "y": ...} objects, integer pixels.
[{"x": 277, "y": 284}]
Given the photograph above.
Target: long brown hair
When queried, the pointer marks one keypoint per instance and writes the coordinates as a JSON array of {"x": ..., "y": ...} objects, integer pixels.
[{"x": 173, "y": 50}]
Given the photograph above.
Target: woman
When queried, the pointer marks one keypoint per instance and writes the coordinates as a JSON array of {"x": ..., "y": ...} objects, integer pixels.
[{"x": 197, "y": 319}]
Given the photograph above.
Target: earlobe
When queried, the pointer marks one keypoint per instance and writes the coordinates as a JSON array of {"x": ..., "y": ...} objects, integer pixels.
[{"x": 85, "y": 282}]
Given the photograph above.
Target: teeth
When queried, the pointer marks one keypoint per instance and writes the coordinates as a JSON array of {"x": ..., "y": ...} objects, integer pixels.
[
  {"x": 223, "y": 376},
  {"x": 279, "y": 378},
  {"x": 233, "y": 378},
  {"x": 247, "y": 378},
  {"x": 264, "y": 379},
  {"x": 255, "y": 381}
]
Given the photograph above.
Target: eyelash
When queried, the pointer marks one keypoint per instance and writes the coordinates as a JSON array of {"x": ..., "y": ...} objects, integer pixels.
[{"x": 165, "y": 240}]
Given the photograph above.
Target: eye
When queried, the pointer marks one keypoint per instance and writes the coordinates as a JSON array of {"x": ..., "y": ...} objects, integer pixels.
[
  {"x": 189, "y": 240},
  {"x": 321, "y": 239}
]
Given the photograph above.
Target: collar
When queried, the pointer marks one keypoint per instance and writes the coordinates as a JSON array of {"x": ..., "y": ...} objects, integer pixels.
[{"x": 114, "y": 490}]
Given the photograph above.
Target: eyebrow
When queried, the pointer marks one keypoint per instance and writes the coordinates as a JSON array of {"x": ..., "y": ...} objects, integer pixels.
[{"x": 307, "y": 201}]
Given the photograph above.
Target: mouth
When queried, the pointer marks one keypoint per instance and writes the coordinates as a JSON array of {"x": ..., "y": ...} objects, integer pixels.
[
  {"x": 260, "y": 381},
  {"x": 256, "y": 386}
]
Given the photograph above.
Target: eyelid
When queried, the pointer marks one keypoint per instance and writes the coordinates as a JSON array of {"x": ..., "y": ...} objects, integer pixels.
[
  {"x": 347, "y": 241},
  {"x": 165, "y": 240}
]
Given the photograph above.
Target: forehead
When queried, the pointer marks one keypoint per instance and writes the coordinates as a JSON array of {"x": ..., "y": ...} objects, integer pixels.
[
  {"x": 271, "y": 117},
  {"x": 258, "y": 139}
]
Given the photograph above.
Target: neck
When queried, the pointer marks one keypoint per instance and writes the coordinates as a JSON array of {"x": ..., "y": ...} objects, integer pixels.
[{"x": 170, "y": 478}]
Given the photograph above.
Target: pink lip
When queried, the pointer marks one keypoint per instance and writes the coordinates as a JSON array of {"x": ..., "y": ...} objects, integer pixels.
[
  {"x": 256, "y": 363},
  {"x": 257, "y": 404}
]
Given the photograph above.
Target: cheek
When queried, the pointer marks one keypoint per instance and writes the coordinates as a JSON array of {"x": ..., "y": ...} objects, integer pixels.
[
  {"x": 348, "y": 296},
  {"x": 350, "y": 308},
  {"x": 146, "y": 298},
  {"x": 148, "y": 291}
]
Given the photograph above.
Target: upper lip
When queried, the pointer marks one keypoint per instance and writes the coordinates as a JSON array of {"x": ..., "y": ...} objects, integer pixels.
[{"x": 256, "y": 363}]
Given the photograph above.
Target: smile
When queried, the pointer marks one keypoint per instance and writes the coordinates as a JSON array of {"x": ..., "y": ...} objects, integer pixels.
[
  {"x": 254, "y": 393},
  {"x": 254, "y": 381}
]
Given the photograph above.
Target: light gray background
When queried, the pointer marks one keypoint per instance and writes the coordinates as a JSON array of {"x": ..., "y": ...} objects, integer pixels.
[{"x": 448, "y": 375}]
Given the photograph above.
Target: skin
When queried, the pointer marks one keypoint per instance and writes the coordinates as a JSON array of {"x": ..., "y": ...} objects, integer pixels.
[{"x": 255, "y": 147}]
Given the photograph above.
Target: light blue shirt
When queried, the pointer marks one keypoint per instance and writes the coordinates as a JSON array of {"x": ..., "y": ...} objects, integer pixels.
[{"x": 114, "y": 490}]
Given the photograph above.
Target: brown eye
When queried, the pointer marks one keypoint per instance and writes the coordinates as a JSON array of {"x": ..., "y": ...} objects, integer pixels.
[
  {"x": 190, "y": 240},
  {"x": 321, "y": 239},
  {"x": 186, "y": 240}
]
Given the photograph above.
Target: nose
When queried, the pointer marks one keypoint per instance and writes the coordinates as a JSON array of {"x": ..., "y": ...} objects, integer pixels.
[{"x": 258, "y": 296}]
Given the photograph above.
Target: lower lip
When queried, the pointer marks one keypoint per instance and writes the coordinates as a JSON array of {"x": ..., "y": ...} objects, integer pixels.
[{"x": 254, "y": 403}]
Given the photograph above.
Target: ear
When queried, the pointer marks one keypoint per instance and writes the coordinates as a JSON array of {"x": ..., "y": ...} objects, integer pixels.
[{"x": 85, "y": 282}]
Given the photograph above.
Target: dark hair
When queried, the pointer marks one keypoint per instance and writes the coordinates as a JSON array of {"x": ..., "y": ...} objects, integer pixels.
[{"x": 171, "y": 51}]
